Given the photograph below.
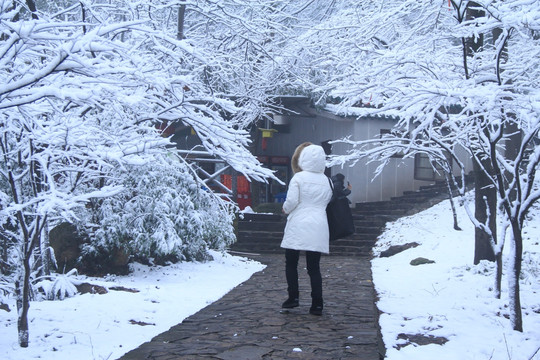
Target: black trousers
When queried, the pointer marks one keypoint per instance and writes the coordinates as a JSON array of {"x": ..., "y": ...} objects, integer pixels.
[{"x": 313, "y": 259}]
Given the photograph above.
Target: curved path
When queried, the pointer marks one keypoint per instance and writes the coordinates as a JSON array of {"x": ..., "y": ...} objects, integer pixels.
[{"x": 248, "y": 323}]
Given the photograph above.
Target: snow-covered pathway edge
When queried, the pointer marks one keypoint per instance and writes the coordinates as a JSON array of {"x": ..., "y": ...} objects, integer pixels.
[{"x": 452, "y": 298}]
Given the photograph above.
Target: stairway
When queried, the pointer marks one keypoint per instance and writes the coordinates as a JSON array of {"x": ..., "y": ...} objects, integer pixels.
[{"x": 262, "y": 233}]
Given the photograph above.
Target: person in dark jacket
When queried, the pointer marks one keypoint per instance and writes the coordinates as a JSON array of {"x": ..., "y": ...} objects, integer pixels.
[{"x": 338, "y": 181}]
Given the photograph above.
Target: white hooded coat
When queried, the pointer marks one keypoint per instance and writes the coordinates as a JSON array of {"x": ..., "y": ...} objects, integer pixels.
[{"x": 308, "y": 194}]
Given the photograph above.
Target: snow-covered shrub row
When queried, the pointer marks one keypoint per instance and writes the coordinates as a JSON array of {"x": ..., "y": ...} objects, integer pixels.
[{"x": 164, "y": 213}]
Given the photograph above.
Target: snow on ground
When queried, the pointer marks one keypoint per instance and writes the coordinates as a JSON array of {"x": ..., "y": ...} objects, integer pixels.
[
  {"x": 453, "y": 298},
  {"x": 93, "y": 326}
]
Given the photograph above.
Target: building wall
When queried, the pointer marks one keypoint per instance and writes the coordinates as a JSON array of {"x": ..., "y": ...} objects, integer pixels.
[
  {"x": 395, "y": 178},
  {"x": 317, "y": 127}
]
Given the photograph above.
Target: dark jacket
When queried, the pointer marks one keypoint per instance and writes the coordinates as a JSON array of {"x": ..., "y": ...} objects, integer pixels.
[{"x": 338, "y": 181}]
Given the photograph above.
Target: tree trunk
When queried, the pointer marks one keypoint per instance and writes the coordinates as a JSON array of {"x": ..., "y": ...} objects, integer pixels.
[
  {"x": 22, "y": 284},
  {"x": 485, "y": 192},
  {"x": 515, "y": 302},
  {"x": 485, "y": 199},
  {"x": 451, "y": 198},
  {"x": 45, "y": 250},
  {"x": 22, "y": 292},
  {"x": 498, "y": 274},
  {"x": 181, "y": 19}
]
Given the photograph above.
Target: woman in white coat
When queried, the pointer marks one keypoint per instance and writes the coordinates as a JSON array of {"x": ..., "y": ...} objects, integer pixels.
[{"x": 307, "y": 227}]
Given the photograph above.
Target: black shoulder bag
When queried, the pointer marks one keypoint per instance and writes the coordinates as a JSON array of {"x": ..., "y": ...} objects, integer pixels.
[{"x": 338, "y": 212}]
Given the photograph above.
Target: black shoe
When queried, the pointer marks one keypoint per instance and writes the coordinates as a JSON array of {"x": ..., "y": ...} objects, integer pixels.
[
  {"x": 316, "y": 310},
  {"x": 290, "y": 303},
  {"x": 316, "y": 306}
]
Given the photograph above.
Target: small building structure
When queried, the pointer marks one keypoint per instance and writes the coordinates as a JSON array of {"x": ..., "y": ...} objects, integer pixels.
[{"x": 274, "y": 142}]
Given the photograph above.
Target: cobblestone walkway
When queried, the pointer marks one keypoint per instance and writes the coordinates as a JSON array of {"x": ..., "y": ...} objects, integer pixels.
[{"x": 248, "y": 323}]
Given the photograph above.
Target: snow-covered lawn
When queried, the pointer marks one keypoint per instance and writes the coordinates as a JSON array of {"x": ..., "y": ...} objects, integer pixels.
[
  {"x": 95, "y": 326},
  {"x": 453, "y": 298}
]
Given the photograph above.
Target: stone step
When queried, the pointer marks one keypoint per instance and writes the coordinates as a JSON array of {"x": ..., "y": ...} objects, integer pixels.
[
  {"x": 374, "y": 219},
  {"x": 379, "y": 205},
  {"x": 360, "y": 220},
  {"x": 411, "y": 200},
  {"x": 258, "y": 235},
  {"x": 262, "y": 233},
  {"x": 377, "y": 226},
  {"x": 262, "y": 217},
  {"x": 262, "y": 229},
  {"x": 273, "y": 245},
  {"x": 384, "y": 212},
  {"x": 338, "y": 250},
  {"x": 438, "y": 185},
  {"x": 276, "y": 238},
  {"x": 270, "y": 226},
  {"x": 432, "y": 191},
  {"x": 257, "y": 248},
  {"x": 360, "y": 234},
  {"x": 362, "y": 229}
]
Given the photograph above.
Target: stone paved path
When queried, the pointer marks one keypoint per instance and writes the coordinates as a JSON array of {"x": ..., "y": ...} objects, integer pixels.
[{"x": 248, "y": 324}]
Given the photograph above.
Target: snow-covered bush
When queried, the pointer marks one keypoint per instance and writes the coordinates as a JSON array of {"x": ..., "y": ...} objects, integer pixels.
[
  {"x": 164, "y": 214},
  {"x": 58, "y": 286}
]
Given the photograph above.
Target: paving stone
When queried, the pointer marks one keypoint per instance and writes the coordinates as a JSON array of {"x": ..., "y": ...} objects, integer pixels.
[
  {"x": 248, "y": 322},
  {"x": 245, "y": 353}
]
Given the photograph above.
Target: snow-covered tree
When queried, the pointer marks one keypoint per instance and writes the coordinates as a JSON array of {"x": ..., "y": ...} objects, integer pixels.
[
  {"x": 83, "y": 85},
  {"x": 422, "y": 62},
  {"x": 44, "y": 162}
]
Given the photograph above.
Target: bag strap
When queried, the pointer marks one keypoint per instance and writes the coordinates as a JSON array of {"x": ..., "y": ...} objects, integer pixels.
[{"x": 332, "y": 188}]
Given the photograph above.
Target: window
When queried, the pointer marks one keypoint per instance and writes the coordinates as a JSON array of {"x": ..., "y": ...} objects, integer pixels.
[{"x": 424, "y": 171}]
